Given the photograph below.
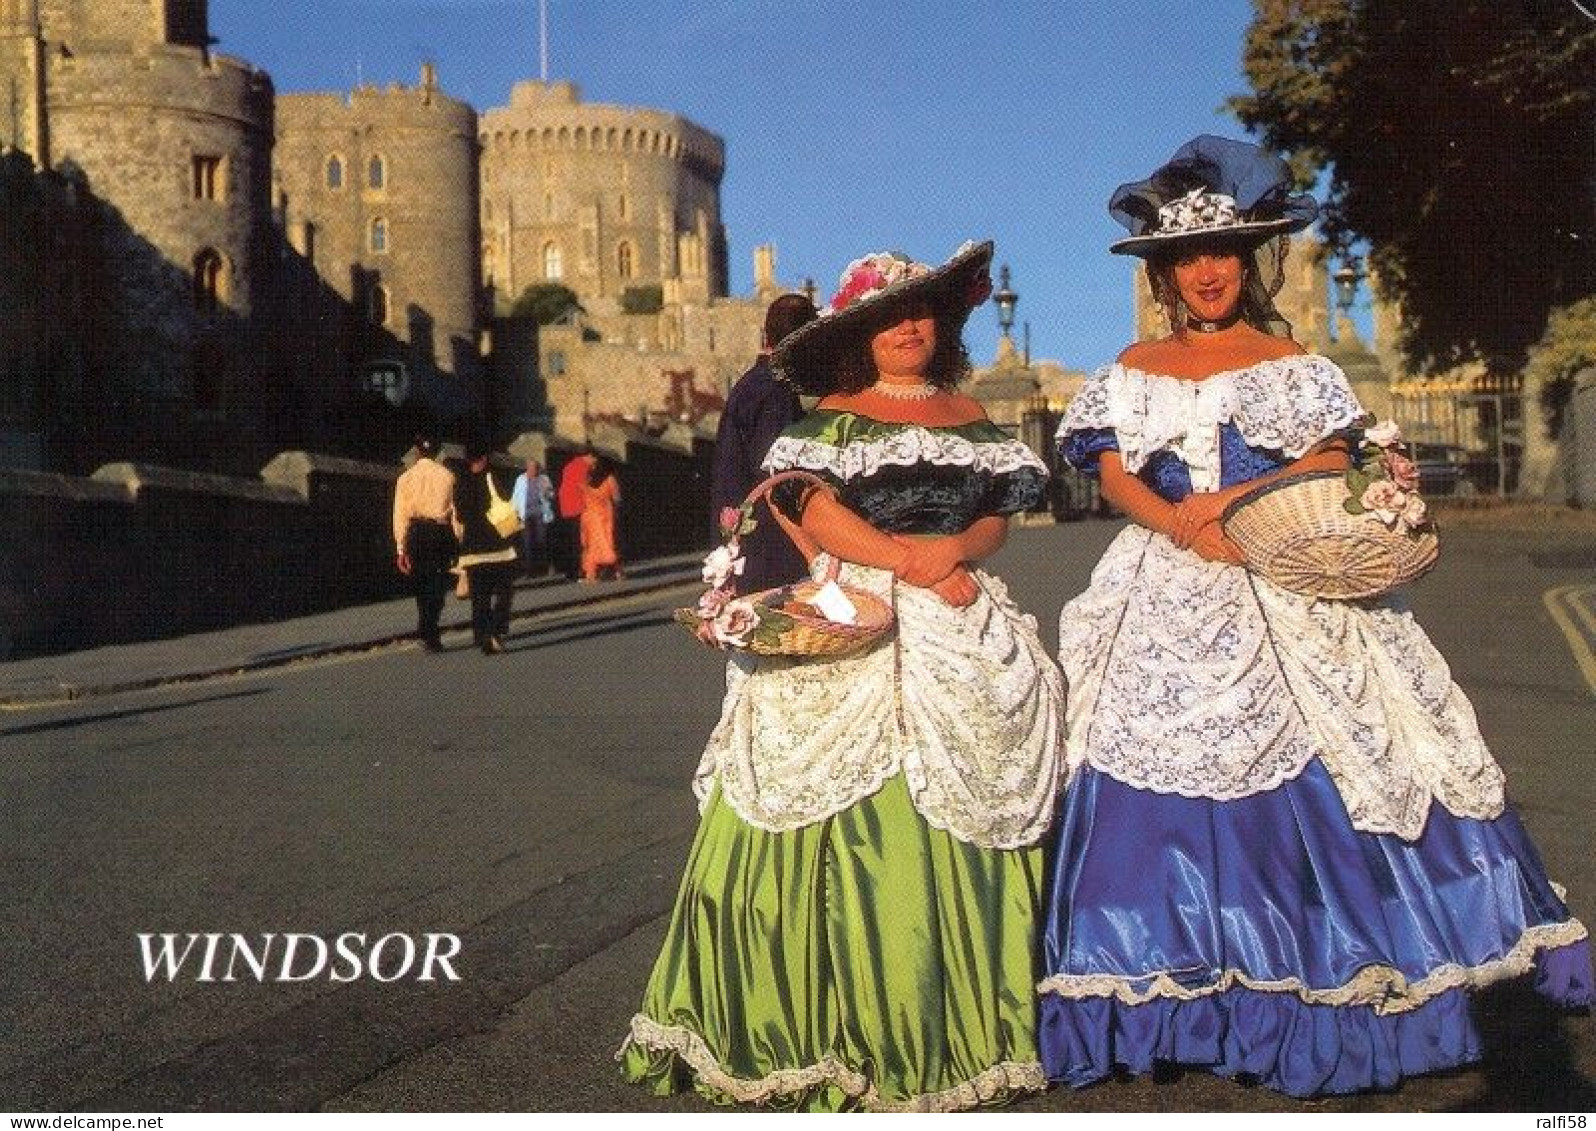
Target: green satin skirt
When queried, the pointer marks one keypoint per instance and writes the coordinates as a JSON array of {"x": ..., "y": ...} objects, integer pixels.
[{"x": 867, "y": 960}]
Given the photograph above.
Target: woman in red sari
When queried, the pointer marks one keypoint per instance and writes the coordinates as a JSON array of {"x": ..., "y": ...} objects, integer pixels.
[{"x": 600, "y": 494}]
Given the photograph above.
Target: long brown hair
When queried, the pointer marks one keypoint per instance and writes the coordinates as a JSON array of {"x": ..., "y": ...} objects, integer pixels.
[{"x": 1262, "y": 274}]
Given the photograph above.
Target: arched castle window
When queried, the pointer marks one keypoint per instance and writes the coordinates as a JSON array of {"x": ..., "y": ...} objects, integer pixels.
[
  {"x": 565, "y": 137},
  {"x": 377, "y": 236},
  {"x": 378, "y": 304},
  {"x": 581, "y": 137},
  {"x": 553, "y": 262},
  {"x": 609, "y": 138},
  {"x": 377, "y": 172},
  {"x": 623, "y": 259},
  {"x": 208, "y": 272},
  {"x": 548, "y": 136},
  {"x": 625, "y": 207},
  {"x": 548, "y": 205},
  {"x": 515, "y": 138},
  {"x": 626, "y": 140},
  {"x": 335, "y": 172}
]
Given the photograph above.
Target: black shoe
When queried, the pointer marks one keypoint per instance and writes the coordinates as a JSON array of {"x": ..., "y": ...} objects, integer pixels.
[
  {"x": 492, "y": 646},
  {"x": 431, "y": 644}
]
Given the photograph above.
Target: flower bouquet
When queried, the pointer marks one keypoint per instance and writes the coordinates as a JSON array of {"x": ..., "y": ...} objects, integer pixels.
[
  {"x": 1339, "y": 535},
  {"x": 810, "y": 618}
]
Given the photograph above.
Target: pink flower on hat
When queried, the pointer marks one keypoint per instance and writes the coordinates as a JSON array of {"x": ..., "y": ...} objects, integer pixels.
[{"x": 873, "y": 273}]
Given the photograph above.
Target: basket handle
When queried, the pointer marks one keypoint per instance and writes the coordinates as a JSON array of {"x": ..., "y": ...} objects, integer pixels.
[{"x": 807, "y": 546}]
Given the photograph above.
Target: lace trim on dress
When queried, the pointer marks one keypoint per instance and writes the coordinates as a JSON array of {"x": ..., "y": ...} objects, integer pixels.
[
  {"x": 911, "y": 445},
  {"x": 1287, "y": 405},
  {"x": 973, "y": 723},
  {"x": 1383, "y": 988},
  {"x": 994, "y": 1082},
  {"x": 1197, "y": 678}
]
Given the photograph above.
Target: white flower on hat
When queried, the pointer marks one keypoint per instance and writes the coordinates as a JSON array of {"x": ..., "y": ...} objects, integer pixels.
[{"x": 1197, "y": 211}]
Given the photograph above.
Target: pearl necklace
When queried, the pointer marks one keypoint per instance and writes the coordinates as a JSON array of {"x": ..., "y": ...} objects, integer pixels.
[{"x": 919, "y": 392}]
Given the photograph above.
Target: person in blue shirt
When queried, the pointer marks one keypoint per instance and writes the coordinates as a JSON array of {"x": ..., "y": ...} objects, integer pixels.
[{"x": 533, "y": 499}]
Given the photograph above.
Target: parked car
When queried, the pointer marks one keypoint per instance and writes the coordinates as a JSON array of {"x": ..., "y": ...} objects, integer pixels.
[{"x": 1442, "y": 469}]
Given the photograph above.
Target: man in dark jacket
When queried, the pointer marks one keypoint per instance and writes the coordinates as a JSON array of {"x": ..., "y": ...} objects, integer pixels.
[{"x": 757, "y": 409}]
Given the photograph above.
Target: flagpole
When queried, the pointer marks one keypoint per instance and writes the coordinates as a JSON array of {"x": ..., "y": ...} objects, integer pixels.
[{"x": 543, "y": 38}]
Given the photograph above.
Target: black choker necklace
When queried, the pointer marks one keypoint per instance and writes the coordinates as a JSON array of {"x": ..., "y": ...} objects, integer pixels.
[{"x": 1204, "y": 326}]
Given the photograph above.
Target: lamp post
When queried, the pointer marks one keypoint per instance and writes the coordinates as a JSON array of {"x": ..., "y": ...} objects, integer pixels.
[
  {"x": 1346, "y": 279},
  {"x": 809, "y": 289},
  {"x": 1006, "y": 299}
]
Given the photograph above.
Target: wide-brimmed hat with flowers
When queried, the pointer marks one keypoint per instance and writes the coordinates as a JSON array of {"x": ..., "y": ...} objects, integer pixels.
[
  {"x": 1213, "y": 188},
  {"x": 876, "y": 284}
]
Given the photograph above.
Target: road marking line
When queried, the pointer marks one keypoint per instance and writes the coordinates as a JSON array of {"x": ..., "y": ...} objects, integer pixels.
[{"x": 1579, "y": 635}]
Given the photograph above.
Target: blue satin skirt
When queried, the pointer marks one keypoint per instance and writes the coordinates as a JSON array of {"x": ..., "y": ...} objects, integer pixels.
[{"x": 1266, "y": 936}]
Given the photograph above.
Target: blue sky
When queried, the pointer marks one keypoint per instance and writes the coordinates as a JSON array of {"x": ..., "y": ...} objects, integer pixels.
[{"x": 850, "y": 125}]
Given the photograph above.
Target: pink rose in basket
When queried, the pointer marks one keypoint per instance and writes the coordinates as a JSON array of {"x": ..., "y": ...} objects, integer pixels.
[
  {"x": 735, "y": 623},
  {"x": 1403, "y": 471},
  {"x": 1414, "y": 512},
  {"x": 712, "y": 602},
  {"x": 1386, "y": 500}
]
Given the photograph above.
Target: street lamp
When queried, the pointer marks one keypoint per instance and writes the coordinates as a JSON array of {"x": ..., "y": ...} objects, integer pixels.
[
  {"x": 1346, "y": 279},
  {"x": 1006, "y": 300},
  {"x": 808, "y": 287}
]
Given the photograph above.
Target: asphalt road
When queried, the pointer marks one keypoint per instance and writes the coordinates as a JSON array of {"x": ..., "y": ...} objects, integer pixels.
[{"x": 536, "y": 805}]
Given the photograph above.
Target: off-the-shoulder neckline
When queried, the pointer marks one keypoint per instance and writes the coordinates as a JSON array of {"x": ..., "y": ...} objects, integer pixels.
[
  {"x": 1267, "y": 362},
  {"x": 971, "y": 423}
]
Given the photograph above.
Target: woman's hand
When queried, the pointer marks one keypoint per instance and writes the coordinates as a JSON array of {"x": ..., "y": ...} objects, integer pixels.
[
  {"x": 1195, "y": 511},
  {"x": 1211, "y": 544},
  {"x": 927, "y": 561},
  {"x": 957, "y": 588}
]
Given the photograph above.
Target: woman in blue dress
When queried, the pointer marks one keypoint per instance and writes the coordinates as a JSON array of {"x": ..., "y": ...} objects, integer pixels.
[{"x": 1284, "y": 848}]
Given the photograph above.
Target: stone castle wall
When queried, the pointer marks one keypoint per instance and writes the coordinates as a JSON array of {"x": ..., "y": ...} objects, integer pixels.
[
  {"x": 124, "y": 96},
  {"x": 620, "y": 197},
  {"x": 426, "y": 257}
]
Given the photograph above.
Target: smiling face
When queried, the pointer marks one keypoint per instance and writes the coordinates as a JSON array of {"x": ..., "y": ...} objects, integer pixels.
[
  {"x": 1209, "y": 282},
  {"x": 902, "y": 350}
]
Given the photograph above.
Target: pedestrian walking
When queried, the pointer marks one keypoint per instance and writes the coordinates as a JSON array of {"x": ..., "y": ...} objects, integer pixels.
[
  {"x": 601, "y": 495},
  {"x": 567, "y": 530},
  {"x": 533, "y": 499},
  {"x": 424, "y": 539},
  {"x": 486, "y": 554}
]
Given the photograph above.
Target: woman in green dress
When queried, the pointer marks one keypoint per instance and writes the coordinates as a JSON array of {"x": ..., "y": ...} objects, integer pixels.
[{"x": 857, "y": 923}]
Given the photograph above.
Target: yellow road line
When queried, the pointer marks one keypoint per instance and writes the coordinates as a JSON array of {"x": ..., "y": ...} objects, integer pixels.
[{"x": 1579, "y": 636}]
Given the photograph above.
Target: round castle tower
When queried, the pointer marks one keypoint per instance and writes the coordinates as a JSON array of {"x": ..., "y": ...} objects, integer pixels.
[
  {"x": 378, "y": 190},
  {"x": 600, "y": 198},
  {"x": 177, "y": 142}
]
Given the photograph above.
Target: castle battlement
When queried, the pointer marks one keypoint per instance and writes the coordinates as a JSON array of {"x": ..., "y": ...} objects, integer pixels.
[{"x": 551, "y": 117}]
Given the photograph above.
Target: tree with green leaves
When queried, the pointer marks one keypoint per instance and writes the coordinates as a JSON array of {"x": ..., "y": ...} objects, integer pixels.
[
  {"x": 546, "y": 303},
  {"x": 1460, "y": 143}
]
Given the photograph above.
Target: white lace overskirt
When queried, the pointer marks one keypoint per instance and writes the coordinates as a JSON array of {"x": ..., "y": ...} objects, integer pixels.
[
  {"x": 1201, "y": 679},
  {"x": 965, "y": 703}
]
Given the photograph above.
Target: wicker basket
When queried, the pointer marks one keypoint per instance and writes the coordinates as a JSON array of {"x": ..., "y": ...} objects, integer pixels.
[
  {"x": 810, "y": 633},
  {"x": 1297, "y": 533}
]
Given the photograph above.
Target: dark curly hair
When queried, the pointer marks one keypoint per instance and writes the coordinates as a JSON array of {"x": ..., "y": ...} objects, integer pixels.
[{"x": 854, "y": 368}]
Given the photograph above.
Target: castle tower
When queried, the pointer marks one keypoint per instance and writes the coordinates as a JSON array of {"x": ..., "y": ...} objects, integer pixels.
[
  {"x": 379, "y": 192},
  {"x": 176, "y": 143},
  {"x": 600, "y": 198}
]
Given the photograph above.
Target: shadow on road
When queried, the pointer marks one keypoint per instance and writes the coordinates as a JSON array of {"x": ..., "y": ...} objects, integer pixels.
[
  {"x": 1529, "y": 1063},
  {"x": 131, "y": 712},
  {"x": 589, "y": 629}
]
